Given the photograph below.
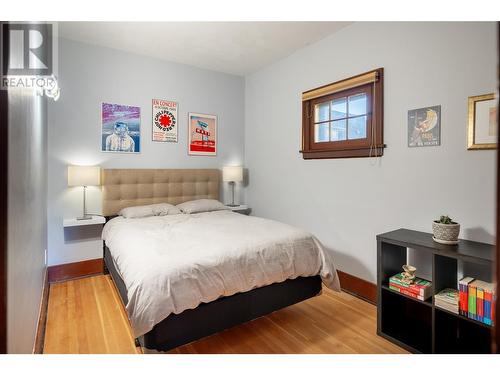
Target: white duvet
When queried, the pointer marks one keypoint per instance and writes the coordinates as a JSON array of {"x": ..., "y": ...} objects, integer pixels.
[{"x": 173, "y": 263}]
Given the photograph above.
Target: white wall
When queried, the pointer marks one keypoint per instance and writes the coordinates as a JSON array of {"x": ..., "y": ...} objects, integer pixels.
[
  {"x": 89, "y": 75},
  {"x": 27, "y": 224},
  {"x": 346, "y": 202}
]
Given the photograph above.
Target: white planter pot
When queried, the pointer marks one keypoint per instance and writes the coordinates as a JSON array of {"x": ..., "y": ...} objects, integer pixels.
[{"x": 446, "y": 232}]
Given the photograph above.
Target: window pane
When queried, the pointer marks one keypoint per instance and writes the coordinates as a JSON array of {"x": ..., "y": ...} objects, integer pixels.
[
  {"x": 357, "y": 127},
  {"x": 339, "y": 108},
  {"x": 322, "y": 132},
  {"x": 338, "y": 131},
  {"x": 321, "y": 112},
  {"x": 357, "y": 105}
]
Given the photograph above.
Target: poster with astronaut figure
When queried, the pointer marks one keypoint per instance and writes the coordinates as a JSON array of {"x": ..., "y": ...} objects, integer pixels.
[{"x": 120, "y": 128}]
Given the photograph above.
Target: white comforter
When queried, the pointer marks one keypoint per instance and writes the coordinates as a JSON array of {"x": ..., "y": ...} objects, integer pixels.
[{"x": 175, "y": 262}]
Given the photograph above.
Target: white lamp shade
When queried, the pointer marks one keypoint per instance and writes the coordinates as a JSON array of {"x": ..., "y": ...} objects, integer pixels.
[
  {"x": 234, "y": 174},
  {"x": 83, "y": 176}
]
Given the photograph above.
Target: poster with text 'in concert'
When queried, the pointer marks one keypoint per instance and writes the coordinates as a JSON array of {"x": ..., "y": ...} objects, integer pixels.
[{"x": 164, "y": 121}]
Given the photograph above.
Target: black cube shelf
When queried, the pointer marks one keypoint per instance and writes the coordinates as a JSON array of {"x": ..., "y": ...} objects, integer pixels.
[{"x": 420, "y": 326}]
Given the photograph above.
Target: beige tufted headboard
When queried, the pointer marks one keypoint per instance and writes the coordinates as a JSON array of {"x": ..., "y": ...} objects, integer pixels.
[{"x": 134, "y": 187}]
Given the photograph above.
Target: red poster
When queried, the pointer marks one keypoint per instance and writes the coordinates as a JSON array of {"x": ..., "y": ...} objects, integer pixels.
[{"x": 202, "y": 134}]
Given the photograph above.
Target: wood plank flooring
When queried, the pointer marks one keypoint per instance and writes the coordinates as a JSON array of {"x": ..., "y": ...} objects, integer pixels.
[{"x": 87, "y": 316}]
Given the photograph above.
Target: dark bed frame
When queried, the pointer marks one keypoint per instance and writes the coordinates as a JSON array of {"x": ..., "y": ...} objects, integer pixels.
[{"x": 209, "y": 318}]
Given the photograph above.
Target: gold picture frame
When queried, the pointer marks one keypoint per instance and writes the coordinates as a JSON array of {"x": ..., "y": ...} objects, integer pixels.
[{"x": 472, "y": 143}]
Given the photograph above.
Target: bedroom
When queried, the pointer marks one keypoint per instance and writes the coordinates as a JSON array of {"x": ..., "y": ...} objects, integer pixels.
[{"x": 213, "y": 190}]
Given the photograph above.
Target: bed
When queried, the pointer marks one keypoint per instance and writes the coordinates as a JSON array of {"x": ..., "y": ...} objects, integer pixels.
[{"x": 183, "y": 277}]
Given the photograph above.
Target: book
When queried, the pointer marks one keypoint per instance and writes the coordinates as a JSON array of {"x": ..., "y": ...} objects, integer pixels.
[
  {"x": 485, "y": 301},
  {"x": 448, "y": 299},
  {"x": 448, "y": 295},
  {"x": 422, "y": 293},
  {"x": 406, "y": 292},
  {"x": 410, "y": 288},
  {"x": 487, "y": 308},
  {"x": 464, "y": 295},
  {"x": 446, "y": 306},
  {"x": 419, "y": 286},
  {"x": 417, "y": 282},
  {"x": 493, "y": 309},
  {"x": 472, "y": 301},
  {"x": 479, "y": 303}
]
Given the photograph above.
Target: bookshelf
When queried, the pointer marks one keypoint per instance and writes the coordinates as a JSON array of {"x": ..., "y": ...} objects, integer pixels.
[{"x": 420, "y": 326}]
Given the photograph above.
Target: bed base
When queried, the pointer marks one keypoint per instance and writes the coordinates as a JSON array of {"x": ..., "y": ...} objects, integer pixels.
[{"x": 226, "y": 312}]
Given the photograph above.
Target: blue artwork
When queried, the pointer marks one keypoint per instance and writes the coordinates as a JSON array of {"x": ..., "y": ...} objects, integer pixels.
[{"x": 121, "y": 128}]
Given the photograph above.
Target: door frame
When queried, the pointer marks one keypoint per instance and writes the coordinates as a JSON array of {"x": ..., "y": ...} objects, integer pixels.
[
  {"x": 496, "y": 333},
  {"x": 4, "y": 128}
]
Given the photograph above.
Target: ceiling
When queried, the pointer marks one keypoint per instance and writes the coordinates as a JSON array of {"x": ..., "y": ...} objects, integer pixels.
[{"x": 239, "y": 48}]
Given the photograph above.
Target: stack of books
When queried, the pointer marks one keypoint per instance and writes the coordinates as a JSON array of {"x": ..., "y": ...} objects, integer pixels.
[
  {"x": 418, "y": 288},
  {"x": 447, "y": 299},
  {"x": 477, "y": 300}
]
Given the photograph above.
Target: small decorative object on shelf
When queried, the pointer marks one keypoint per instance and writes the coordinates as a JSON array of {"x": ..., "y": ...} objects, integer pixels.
[
  {"x": 477, "y": 300},
  {"x": 445, "y": 230},
  {"x": 408, "y": 274},
  {"x": 416, "y": 288}
]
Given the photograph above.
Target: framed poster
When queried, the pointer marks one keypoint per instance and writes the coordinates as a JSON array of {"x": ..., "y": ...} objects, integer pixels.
[
  {"x": 202, "y": 134},
  {"x": 424, "y": 127},
  {"x": 483, "y": 123},
  {"x": 120, "y": 128},
  {"x": 164, "y": 121}
]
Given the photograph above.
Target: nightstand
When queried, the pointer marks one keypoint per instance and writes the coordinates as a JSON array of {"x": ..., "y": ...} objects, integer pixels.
[
  {"x": 73, "y": 222},
  {"x": 241, "y": 209},
  {"x": 83, "y": 249}
]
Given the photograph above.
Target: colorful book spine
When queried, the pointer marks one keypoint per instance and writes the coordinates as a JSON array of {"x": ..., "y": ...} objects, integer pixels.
[
  {"x": 477, "y": 300},
  {"x": 464, "y": 295},
  {"x": 493, "y": 309},
  {"x": 479, "y": 304},
  {"x": 488, "y": 307},
  {"x": 472, "y": 302},
  {"x": 461, "y": 294}
]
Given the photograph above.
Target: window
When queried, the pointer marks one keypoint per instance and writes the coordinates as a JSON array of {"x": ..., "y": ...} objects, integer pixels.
[{"x": 344, "y": 119}]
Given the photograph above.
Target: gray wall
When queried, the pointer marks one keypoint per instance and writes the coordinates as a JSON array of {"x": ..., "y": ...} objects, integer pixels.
[
  {"x": 346, "y": 202},
  {"x": 90, "y": 75},
  {"x": 27, "y": 210}
]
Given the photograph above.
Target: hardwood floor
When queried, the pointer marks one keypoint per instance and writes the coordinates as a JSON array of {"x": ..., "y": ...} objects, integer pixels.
[{"x": 87, "y": 316}]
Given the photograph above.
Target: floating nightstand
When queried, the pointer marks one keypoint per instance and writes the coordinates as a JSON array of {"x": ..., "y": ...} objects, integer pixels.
[
  {"x": 74, "y": 222},
  {"x": 241, "y": 209}
]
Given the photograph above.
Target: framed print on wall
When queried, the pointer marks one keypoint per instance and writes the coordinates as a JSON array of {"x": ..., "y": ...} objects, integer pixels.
[
  {"x": 202, "y": 134},
  {"x": 164, "y": 121},
  {"x": 120, "y": 128},
  {"x": 482, "y": 127},
  {"x": 424, "y": 127}
]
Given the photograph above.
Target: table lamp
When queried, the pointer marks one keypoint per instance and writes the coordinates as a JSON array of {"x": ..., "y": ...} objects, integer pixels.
[
  {"x": 84, "y": 176},
  {"x": 232, "y": 175}
]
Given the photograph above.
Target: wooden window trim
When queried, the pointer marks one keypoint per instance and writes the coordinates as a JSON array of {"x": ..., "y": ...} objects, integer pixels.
[{"x": 372, "y": 145}]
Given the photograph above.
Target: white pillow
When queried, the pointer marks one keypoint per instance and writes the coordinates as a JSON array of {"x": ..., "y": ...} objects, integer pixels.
[
  {"x": 159, "y": 209},
  {"x": 201, "y": 205},
  {"x": 162, "y": 209}
]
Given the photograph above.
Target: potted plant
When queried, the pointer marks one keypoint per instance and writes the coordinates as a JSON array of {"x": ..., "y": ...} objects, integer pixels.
[{"x": 445, "y": 230}]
